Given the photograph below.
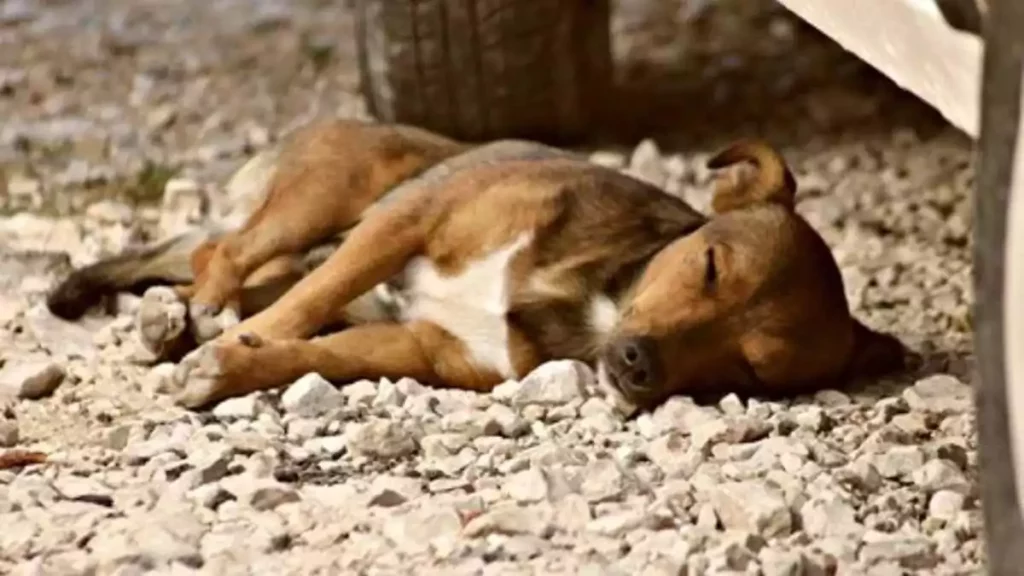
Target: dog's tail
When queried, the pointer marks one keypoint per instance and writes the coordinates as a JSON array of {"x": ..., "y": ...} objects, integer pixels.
[
  {"x": 774, "y": 182},
  {"x": 167, "y": 261}
]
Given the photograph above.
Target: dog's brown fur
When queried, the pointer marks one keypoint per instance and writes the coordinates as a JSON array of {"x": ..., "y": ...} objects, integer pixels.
[{"x": 586, "y": 263}]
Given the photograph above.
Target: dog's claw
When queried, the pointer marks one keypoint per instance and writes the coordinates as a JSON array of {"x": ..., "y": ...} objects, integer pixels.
[
  {"x": 250, "y": 339},
  {"x": 208, "y": 322}
]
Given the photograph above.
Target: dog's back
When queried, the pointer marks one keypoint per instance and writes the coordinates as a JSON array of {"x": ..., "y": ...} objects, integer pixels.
[{"x": 169, "y": 261}]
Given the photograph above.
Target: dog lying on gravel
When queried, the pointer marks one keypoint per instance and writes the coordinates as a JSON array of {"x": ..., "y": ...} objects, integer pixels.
[{"x": 465, "y": 266}]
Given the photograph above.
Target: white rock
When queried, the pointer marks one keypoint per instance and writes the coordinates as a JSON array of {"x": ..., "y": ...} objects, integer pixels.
[
  {"x": 442, "y": 445},
  {"x": 387, "y": 491},
  {"x": 9, "y": 433},
  {"x": 678, "y": 413},
  {"x": 211, "y": 461},
  {"x": 30, "y": 378},
  {"x": 302, "y": 429},
  {"x": 510, "y": 423},
  {"x": 527, "y": 486},
  {"x": 554, "y": 383},
  {"x": 270, "y": 495},
  {"x": 183, "y": 205},
  {"x": 423, "y": 529},
  {"x": 828, "y": 515},
  {"x": 210, "y": 496},
  {"x": 818, "y": 563},
  {"x": 239, "y": 407},
  {"x": 388, "y": 394},
  {"x": 730, "y": 556},
  {"x": 776, "y": 562},
  {"x": 941, "y": 474},
  {"x": 603, "y": 481},
  {"x": 471, "y": 423},
  {"x": 409, "y": 387},
  {"x": 607, "y": 159},
  {"x": 909, "y": 550},
  {"x": 506, "y": 391},
  {"x": 945, "y": 504},
  {"x": 88, "y": 490},
  {"x": 899, "y": 461},
  {"x": 732, "y": 405},
  {"x": 21, "y": 187},
  {"x": 707, "y": 517},
  {"x": 171, "y": 536},
  {"x": 110, "y": 212},
  {"x": 707, "y": 433},
  {"x": 617, "y": 524},
  {"x": 160, "y": 118},
  {"x": 330, "y": 446},
  {"x": 311, "y": 395},
  {"x": 360, "y": 393},
  {"x": 381, "y": 439},
  {"x": 831, "y": 398},
  {"x": 812, "y": 418},
  {"x": 421, "y": 406},
  {"x": 599, "y": 424},
  {"x": 511, "y": 519},
  {"x": 572, "y": 513},
  {"x": 753, "y": 507},
  {"x": 862, "y": 474},
  {"x": 560, "y": 413},
  {"x": 672, "y": 454},
  {"x": 646, "y": 163},
  {"x": 939, "y": 393}
]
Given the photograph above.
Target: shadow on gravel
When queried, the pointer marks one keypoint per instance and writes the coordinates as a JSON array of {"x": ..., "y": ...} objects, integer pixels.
[{"x": 749, "y": 68}]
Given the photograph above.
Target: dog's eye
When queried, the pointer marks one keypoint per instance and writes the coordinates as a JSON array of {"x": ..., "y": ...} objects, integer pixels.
[{"x": 710, "y": 271}]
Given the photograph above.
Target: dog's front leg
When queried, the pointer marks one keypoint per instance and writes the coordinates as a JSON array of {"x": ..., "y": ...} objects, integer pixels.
[{"x": 420, "y": 350}]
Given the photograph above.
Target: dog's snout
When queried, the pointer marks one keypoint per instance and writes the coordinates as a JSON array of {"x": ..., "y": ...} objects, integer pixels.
[{"x": 634, "y": 362}]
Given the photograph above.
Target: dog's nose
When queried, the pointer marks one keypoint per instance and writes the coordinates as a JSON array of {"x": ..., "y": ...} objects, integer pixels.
[{"x": 634, "y": 361}]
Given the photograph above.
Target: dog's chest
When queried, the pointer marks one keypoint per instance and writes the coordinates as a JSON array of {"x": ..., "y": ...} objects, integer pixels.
[
  {"x": 475, "y": 306},
  {"x": 471, "y": 305}
]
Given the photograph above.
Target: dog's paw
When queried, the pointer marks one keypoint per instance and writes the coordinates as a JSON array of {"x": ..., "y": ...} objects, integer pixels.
[
  {"x": 209, "y": 322},
  {"x": 161, "y": 320},
  {"x": 198, "y": 377}
]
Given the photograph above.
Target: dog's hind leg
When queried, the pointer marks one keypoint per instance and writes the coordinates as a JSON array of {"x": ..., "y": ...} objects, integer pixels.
[
  {"x": 308, "y": 203},
  {"x": 419, "y": 350}
]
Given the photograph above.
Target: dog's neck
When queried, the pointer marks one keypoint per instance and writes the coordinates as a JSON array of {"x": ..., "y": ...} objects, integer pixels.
[{"x": 622, "y": 285}]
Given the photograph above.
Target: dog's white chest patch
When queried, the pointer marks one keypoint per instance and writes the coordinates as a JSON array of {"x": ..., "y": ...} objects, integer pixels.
[
  {"x": 603, "y": 314},
  {"x": 470, "y": 305}
]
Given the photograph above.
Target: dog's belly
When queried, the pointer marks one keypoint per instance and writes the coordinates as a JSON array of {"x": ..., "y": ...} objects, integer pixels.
[{"x": 471, "y": 305}]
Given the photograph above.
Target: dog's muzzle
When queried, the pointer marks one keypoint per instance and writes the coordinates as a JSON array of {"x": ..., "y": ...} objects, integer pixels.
[{"x": 632, "y": 367}]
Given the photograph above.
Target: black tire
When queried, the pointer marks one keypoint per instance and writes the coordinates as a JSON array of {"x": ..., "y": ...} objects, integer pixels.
[
  {"x": 486, "y": 69},
  {"x": 1000, "y": 126}
]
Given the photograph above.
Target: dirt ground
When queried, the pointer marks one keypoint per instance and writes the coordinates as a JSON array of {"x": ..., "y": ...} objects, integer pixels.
[{"x": 121, "y": 119}]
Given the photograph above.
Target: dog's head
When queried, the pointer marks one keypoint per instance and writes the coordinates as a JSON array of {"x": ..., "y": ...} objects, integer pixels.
[{"x": 753, "y": 301}]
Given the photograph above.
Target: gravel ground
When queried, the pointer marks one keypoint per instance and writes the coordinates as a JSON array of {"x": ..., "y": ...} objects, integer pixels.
[{"x": 121, "y": 121}]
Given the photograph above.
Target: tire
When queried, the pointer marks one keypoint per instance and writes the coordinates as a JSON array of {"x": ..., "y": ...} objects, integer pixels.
[
  {"x": 486, "y": 69},
  {"x": 999, "y": 288}
]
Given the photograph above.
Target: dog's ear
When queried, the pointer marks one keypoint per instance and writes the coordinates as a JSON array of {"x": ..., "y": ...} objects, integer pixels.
[
  {"x": 766, "y": 180},
  {"x": 874, "y": 353}
]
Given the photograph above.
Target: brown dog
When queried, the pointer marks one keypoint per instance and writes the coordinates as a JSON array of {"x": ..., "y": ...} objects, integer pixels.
[{"x": 479, "y": 273}]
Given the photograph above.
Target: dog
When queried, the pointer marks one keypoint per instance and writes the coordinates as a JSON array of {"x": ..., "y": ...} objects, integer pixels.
[{"x": 464, "y": 270}]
